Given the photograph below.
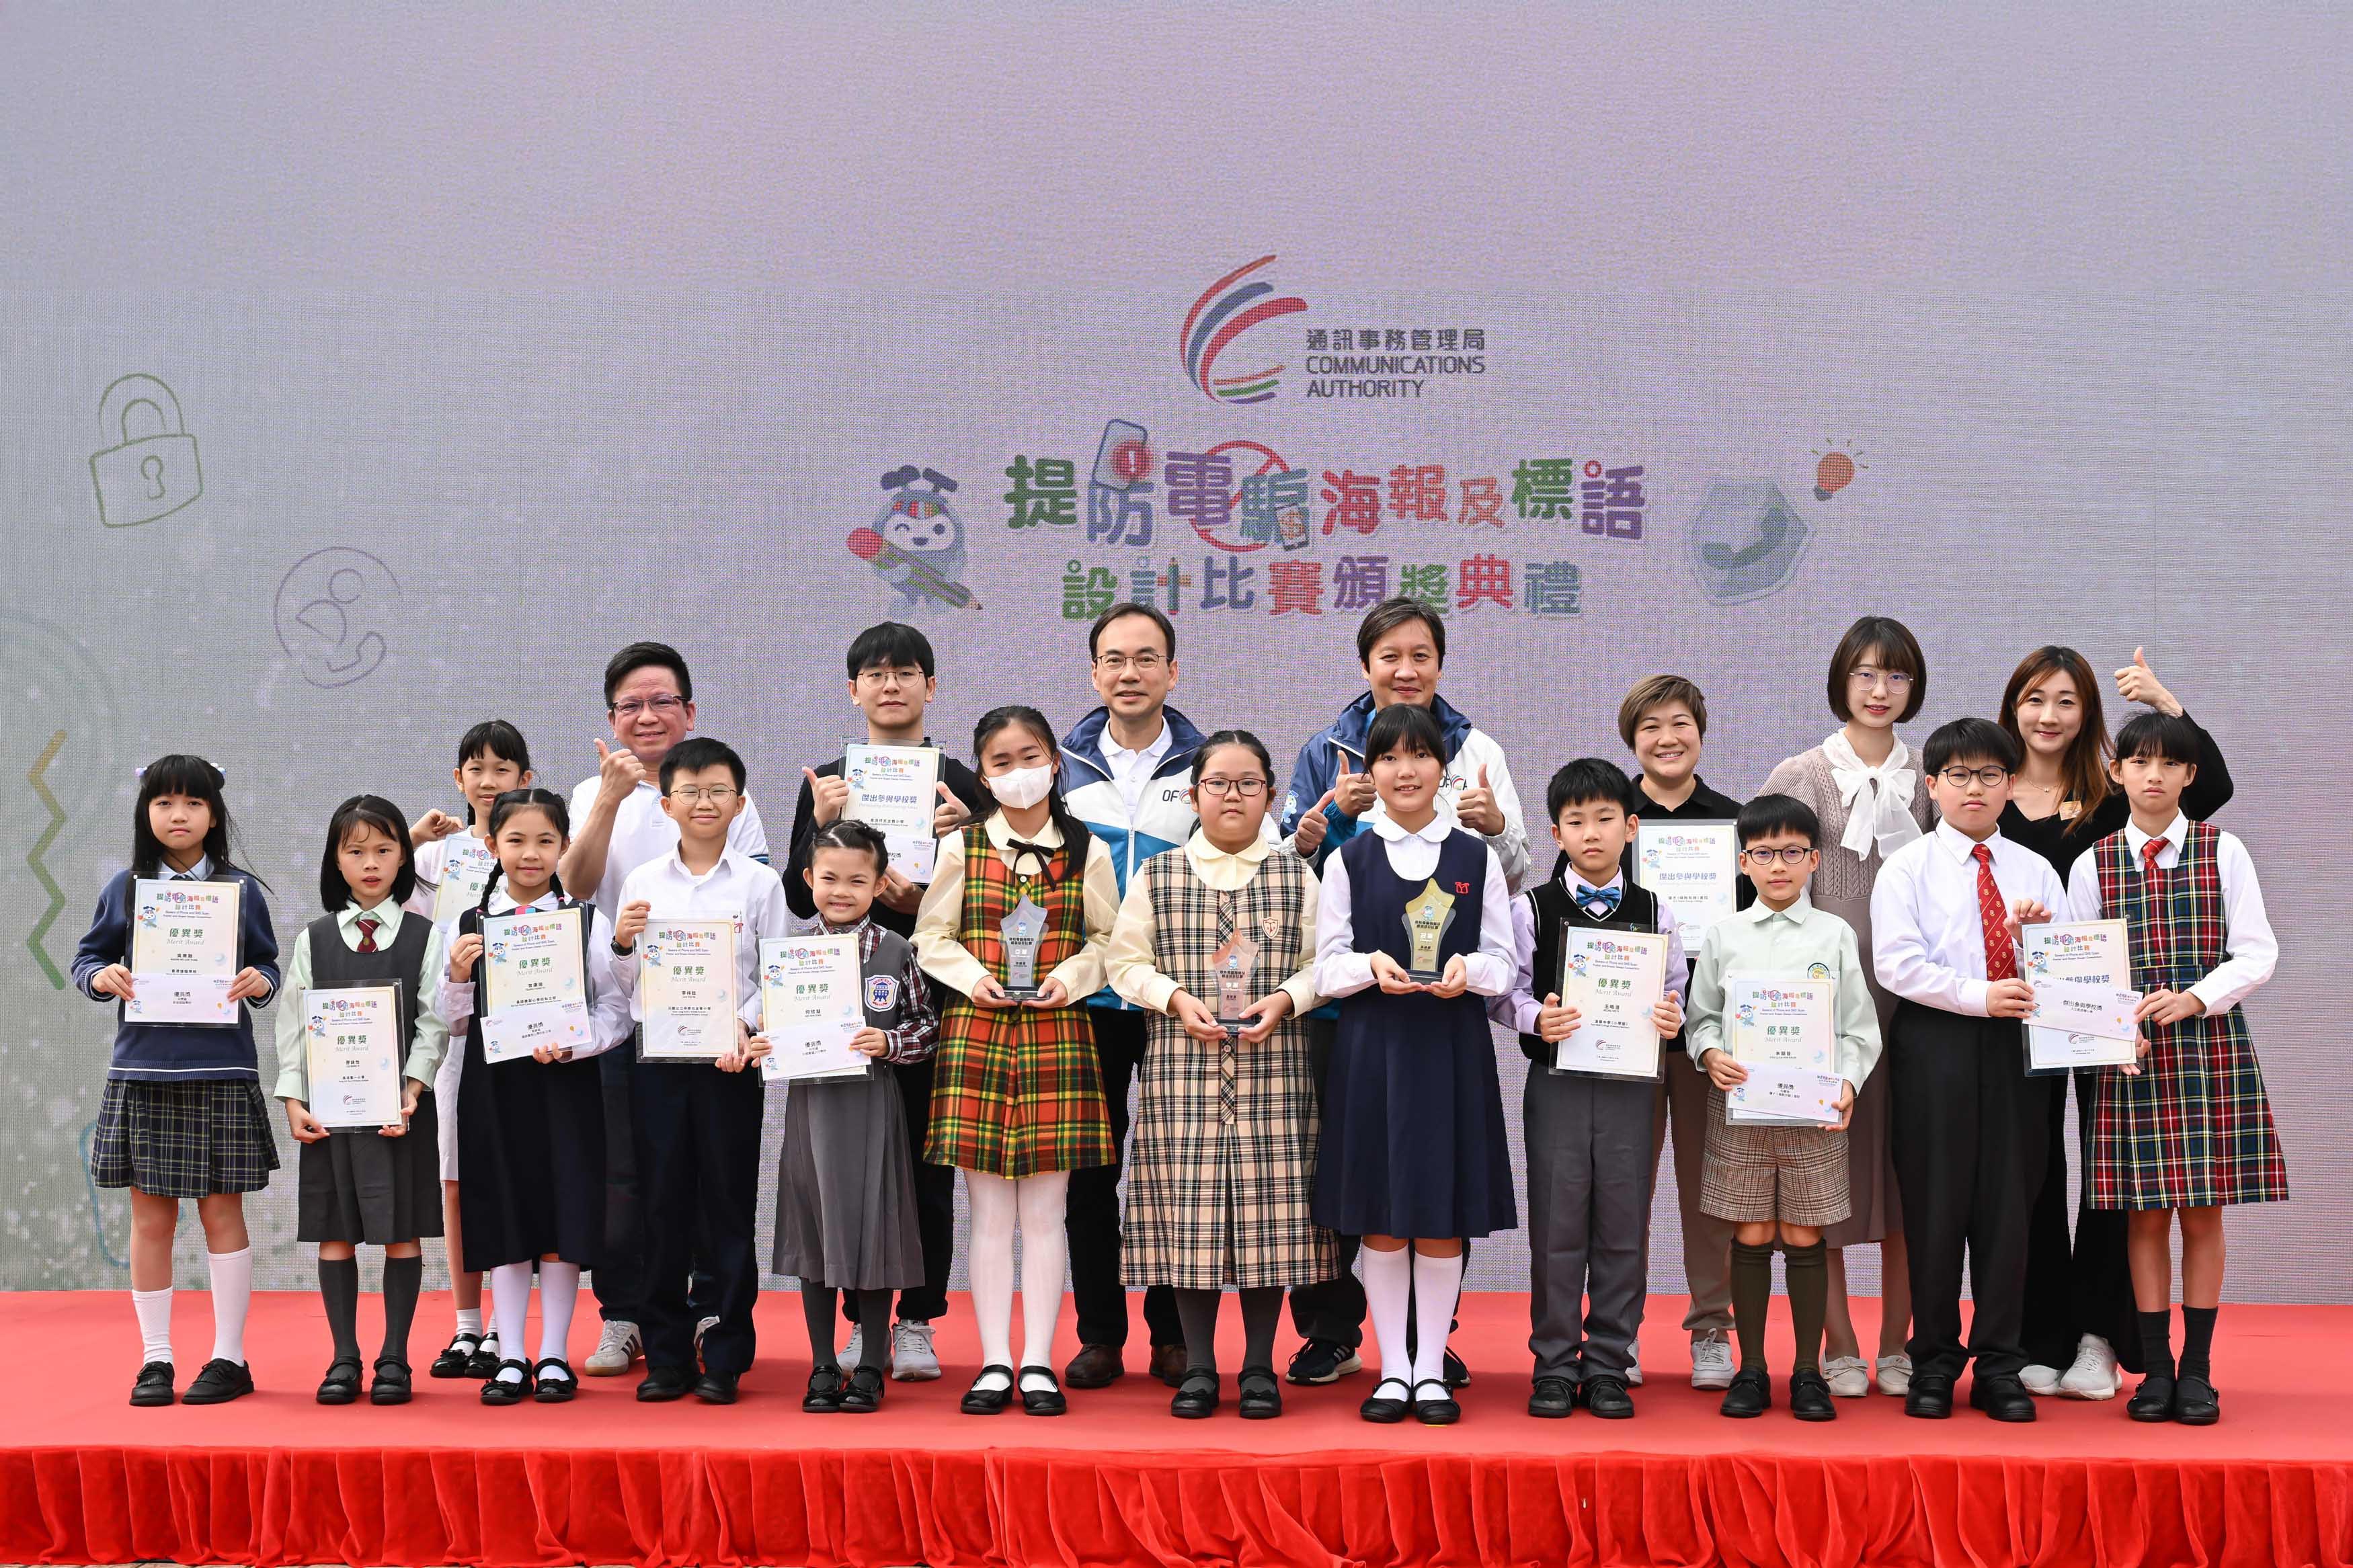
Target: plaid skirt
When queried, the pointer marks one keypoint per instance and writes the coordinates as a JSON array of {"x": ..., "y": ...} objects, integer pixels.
[
  {"x": 1016, "y": 1091},
  {"x": 1751, "y": 1175},
  {"x": 183, "y": 1140},
  {"x": 2192, "y": 1129}
]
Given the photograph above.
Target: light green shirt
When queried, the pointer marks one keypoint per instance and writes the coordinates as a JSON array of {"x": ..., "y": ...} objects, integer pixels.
[
  {"x": 432, "y": 1034},
  {"x": 1759, "y": 941}
]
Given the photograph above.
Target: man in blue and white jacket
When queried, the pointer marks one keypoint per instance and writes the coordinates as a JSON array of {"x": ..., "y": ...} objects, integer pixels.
[{"x": 1127, "y": 773}]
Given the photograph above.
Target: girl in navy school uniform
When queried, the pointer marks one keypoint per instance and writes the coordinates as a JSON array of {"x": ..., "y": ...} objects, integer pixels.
[
  {"x": 492, "y": 758},
  {"x": 1413, "y": 1157},
  {"x": 374, "y": 1184},
  {"x": 184, "y": 1116},
  {"x": 532, "y": 1130}
]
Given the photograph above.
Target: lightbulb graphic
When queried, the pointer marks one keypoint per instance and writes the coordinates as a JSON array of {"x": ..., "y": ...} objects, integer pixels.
[{"x": 1834, "y": 469}]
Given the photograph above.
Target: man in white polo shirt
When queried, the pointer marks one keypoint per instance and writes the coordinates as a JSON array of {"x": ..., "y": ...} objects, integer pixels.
[{"x": 617, "y": 826}]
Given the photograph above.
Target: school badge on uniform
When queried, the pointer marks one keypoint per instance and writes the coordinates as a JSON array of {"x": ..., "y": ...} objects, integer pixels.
[{"x": 881, "y": 992}]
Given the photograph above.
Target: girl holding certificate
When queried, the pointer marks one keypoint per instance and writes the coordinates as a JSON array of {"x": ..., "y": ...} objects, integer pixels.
[
  {"x": 1217, "y": 942},
  {"x": 184, "y": 1116},
  {"x": 532, "y": 1125},
  {"x": 1867, "y": 788},
  {"x": 453, "y": 861},
  {"x": 1413, "y": 931},
  {"x": 846, "y": 1219},
  {"x": 359, "y": 984},
  {"x": 1016, "y": 920}
]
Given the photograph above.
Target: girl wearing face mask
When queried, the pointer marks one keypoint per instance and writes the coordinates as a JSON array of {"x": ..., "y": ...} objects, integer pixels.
[{"x": 1015, "y": 922}]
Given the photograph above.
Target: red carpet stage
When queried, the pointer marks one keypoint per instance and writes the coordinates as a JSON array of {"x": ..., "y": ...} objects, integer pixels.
[{"x": 275, "y": 1479}]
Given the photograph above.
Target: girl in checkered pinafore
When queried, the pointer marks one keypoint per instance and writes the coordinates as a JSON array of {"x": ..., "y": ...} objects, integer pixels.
[
  {"x": 184, "y": 1116},
  {"x": 2189, "y": 1130},
  {"x": 1221, "y": 1170},
  {"x": 1017, "y": 1102}
]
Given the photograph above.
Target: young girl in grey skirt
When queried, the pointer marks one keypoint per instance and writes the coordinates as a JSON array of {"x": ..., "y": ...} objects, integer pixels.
[{"x": 846, "y": 1181}]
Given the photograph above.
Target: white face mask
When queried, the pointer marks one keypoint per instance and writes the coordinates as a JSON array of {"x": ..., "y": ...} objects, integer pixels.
[{"x": 1019, "y": 787}]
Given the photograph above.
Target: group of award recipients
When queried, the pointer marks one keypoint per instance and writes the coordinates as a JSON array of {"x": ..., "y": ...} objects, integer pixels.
[{"x": 546, "y": 1029}]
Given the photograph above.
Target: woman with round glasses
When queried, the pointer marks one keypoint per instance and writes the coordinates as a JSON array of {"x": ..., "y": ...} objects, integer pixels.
[{"x": 1865, "y": 786}]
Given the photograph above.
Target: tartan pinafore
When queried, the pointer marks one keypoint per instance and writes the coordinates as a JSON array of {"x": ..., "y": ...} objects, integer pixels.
[
  {"x": 1016, "y": 1090},
  {"x": 2192, "y": 1129},
  {"x": 1222, "y": 1164}
]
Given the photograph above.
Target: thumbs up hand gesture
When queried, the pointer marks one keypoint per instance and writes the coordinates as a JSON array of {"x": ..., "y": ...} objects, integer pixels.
[
  {"x": 1477, "y": 809},
  {"x": 1353, "y": 793},
  {"x": 2137, "y": 683}
]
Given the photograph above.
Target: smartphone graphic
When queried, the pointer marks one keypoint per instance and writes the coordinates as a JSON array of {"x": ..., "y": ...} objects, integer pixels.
[{"x": 1124, "y": 456}]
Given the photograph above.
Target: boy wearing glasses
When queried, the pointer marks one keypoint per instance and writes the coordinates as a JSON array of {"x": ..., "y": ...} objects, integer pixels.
[
  {"x": 695, "y": 1126},
  {"x": 893, "y": 677},
  {"x": 1790, "y": 1180},
  {"x": 1968, "y": 1122}
]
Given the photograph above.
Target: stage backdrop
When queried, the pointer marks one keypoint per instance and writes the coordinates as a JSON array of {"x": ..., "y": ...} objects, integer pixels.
[{"x": 367, "y": 377}]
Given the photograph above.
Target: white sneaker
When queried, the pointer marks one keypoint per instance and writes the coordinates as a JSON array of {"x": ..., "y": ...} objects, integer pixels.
[
  {"x": 1895, "y": 1374},
  {"x": 1711, "y": 1360},
  {"x": 1846, "y": 1374},
  {"x": 855, "y": 1350},
  {"x": 912, "y": 1358},
  {"x": 617, "y": 1348},
  {"x": 1634, "y": 1366},
  {"x": 2040, "y": 1380},
  {"x": 2095, "y": 1375}
]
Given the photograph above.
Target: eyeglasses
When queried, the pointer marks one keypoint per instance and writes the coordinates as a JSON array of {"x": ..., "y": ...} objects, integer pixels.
[
  {"x": 664, "y": 705},
  {"x": 1145, "y": 663},
  {"x": 717, "y": 794},
  {"x": 1960, "y": 777},
  {"x": 1248, "y": 789},
  {"x": 1864, "y": 675},
  {"x": 889, "y": 677},
  {"x": 1788, "y": 854}
]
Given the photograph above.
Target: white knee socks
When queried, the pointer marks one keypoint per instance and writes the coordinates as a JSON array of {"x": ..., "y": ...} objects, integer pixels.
[
  {"x": 155, "y": 1310},
  {"x": 559, "y": 1287},
  {"x": 510, "y": 1300},
  {"x": 1388, "y": 1285},
  {"x": 1437, "y": 1283},
  {"x": 990, "y": 1264},
  {"x": 1045, "y": 1256},
  {"x": 232, "y": 1280}
]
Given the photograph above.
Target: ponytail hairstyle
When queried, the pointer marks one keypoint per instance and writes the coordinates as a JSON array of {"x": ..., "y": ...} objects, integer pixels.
[
  {"x": 181, "y": 772},
  {"x": 859, "y": 838},
  {"x": 1075, "y": 837},
  {"x": 506, "y": 805},
  {"x": 494, "y": 737},
  {"x": 364, "y": 811},
  {"x": 1241, "y": 738}
]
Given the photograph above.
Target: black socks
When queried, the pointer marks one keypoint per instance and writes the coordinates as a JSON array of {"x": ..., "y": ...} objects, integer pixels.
[
  {"x": 2157, "y": 1341},
  {"x": 402, "y": 1278},
  {"x": 2198, "y": 1341},
  {"x": 874, "y": 1327},
  {"x": 818, "y": 1304},
  {"x": 1752, "y": 1297},
  {"x": 339, "y": 1287},
  {"x": 1808, "y": 1269}
]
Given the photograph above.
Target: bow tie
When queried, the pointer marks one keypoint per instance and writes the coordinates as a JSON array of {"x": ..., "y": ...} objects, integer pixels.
[
  {"x": 1606, "y": 897},
  {"x": 1017, "y": 849}
]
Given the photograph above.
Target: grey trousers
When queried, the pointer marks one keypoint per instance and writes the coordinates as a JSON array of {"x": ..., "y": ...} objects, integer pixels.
[
  {"x": 1589, "y": 1164},
  {"x": 1682, "y": 1098}
]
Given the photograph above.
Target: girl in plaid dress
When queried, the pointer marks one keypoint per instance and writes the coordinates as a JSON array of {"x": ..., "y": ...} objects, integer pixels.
[
  {"x": 184, "y": 1116},
  {"x": 1016, "y": 1099},
  {"x": 1217, "y": 942},
  {"x": 2187, "y": 1129}
]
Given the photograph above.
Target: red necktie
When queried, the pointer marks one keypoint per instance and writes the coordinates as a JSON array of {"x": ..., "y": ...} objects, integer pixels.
[
  {"x": 2148, "y": 854},
  {"x": 2002, "y": 959},
  {"x": 367, "y": 932}
]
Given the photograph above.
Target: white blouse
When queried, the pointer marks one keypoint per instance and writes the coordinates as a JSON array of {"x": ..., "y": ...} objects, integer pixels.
[{"x": 1340, "y": 970}]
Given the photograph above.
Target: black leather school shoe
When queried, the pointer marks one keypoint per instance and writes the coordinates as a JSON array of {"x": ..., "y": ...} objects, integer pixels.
[
  {"x": 663, "y": 1383},
  {"x": 341, "y": 1384},
  {"x": 154, "y": 1384},
  {"x": 220, "y": 1382},
  {"x": 502, "y": 1390},
  {"x": 1751, "y": 1395},
  {"x": 1604, "y": 1393},
  {"x": 549, "y": 1390},
  {"x": 456, "y": 1358},
  {"x": 1042, "y": 1400},
  {"x": 2002, "y": 1397},
  {"x": 862, "y": 1394},
  {"x": 824, "y": 1395},
  {"x": 1930, "y": 1397},
  {"x": 1810, "y": 1396},
  {"x": 979, "y": 1401},
  {"x": 1197, "y": 1397},
  {"x": 2195, "y": 1403},
  {"x": 1261, "y": 1395},
  {"x": 1552, "y": 1399},
  {"x": 1382, "y": 1410},
  {"x": 390, "y": 1385},
  {"x": 1435, "y": 1410}
]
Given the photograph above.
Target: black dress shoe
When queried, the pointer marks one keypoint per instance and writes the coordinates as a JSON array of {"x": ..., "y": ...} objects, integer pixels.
[
  {"x": 341, "y": 1384},
  {"x": 862, "y": 1394},
  {"x": 218, "y": 1382},
  {"x": 1041, "y": 1400},
  {"x": 1433, "y": 1404},
  {"x": 1455, "y": 1370},
  {"x": 1553, "y": 1398},
  {"x": 504, "y": 1390},
  {"x": 2195, "y": 1403},
  {"x": 1197, "y": 1397},
  {"x": 547, "y": 1390},
  {"x": 390, "y": 1384},
  {"x": 1604, "y": 1393},
  {"x": 1095, "y": 1366},
  {"x": 1170, "y": 1364},
  {"x": 1324, "y": 1361},
  {"x": 1380, "y": 1409},
  {"x": 154, "y": 1384},
  {"x": 1751, "y": 1395},
  {"x": 1261, "y": 1396},
  {"x": 2001, "y": 1397},
  {"x": 1930, "y": 1396},
  {"x": 1810, "y": 1396},
  {"x": 663, "y": 1383},
  {"x": 486, "y": 1359},
  {"x": 716, "y": 1387},
  {"x": 979, "y": 1401},
  {"x": 456, "y": 1358},
  {"x": 2153, "y": 1400}
]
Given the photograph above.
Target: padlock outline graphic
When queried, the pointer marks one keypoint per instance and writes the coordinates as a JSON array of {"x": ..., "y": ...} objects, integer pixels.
[{"x": 114, "y": 408}]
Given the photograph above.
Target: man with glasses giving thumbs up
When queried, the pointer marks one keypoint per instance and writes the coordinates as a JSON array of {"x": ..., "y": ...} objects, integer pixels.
[{"x": 1401, "y": 644}]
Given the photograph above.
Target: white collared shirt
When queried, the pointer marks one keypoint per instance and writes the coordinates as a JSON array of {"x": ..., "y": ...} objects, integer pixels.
[
  {"x": 2246, "y": 927},
  {"x": 1764, "y": 940},
  {"x": 1518, "y": 1008},
  {"x": 643, "y": 831},
  {"x": 1927, "y": 940},
  {"x": 1130, "y": 771},
  {"x": 1130, "y": 961},
  {"x": 609, "y": 1007},
  {"x": 736, "y": 887},
  {"x": 1341, "y": 971},
  {"x": 939, "y": 918}
]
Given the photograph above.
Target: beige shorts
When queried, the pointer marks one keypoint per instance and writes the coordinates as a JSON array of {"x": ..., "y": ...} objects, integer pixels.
[{"x": 1752, "y": 1174}]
